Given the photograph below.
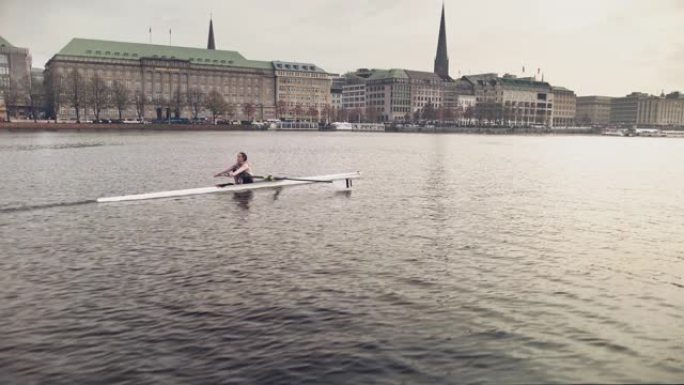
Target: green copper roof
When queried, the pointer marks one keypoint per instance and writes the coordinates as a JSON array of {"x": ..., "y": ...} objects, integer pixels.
[
  {"x": 135, "y": 51},
  {"x": 4, "y": 43},
  {"x": 393, "y": 73}
]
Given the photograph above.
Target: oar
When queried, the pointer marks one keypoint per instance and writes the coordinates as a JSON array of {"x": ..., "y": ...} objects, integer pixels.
[{"x": 270, "y": 178}]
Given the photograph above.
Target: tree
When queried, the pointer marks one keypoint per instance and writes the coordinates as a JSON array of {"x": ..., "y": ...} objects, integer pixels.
[
  {"x": 54, "y": 90},
  {"x": 429, "y": 112},
  {"x": 36, "y": 97},
  {"x": 195, "y": 99},
  {"x": 99, "y": 95},
  {"x": 159, "y": 102},
  {"x": 121, "y": 97},
  {"x": 281, "y": 109},
  {"x": 298, "y": 111},
  {"x": 372, "y": 114},
  {"x": 178, "y": 102},
  {"x": 469, "y": 113},
  {"x": 139, "y": 100},
  {"x": 76, "y": 92},
  {"x": 216, "y": 104},
  {"x": 313, "y": 112},
  {"x": 249, "y": 110},
  {"x": 12, "y": 95},
  {"x": 448, "y": 114},
  {"x": 230, "y": 111},
  {"x": 327, "y": 112}
]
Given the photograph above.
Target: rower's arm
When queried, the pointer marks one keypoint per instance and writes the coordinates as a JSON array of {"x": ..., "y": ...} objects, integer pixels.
[
  {"x": 244, "y": 167},
  {"x": 226, "y": 172}
]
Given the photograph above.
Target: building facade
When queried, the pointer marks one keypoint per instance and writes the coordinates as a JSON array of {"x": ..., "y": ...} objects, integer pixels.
[
  {"x": 302, "y": 90},
  {"x": 388, "y": 95},
  {"x": 165, "y": 82},
  {"x": 336, "y": 93},
  {"x": 594, "y": 110},
  {"x": 15, "y": 80},
  {"x": 511, "y": 100},
  {"x": 564, "y": 107},
  {"x": 640, "y": 109}
]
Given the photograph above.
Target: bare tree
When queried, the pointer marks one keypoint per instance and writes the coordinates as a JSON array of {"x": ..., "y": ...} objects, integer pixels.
[
  {"x": 54, "y": 89},
  {"x": 178, "y": 102},
  {"x": 281, "y": 109},
  {"x": 230, "y": 111},
  {"x": 216, "y": 104},
  {"x": 99, "y": 95},
  {"x": 12, "y": 95},
  {"x": 249, "y": 110},
  {"x": 298, "y": 111},
  {"x": 76, "y": 92},
  {"x": 121, "y": 97},
  {"x": 313, "y": 112},
  {"x": 429, "y": 112},
  {"x": 195, "y": 99},
  {"x": 159, "y": 102},
  {"x": 139, "y": 100},
  {"x": 36, "y": 96},
  {"x": 327, "y": 112}
]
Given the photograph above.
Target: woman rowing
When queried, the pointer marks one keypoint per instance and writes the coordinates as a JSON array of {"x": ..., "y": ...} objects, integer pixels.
[{"x": 241, "y": 170}]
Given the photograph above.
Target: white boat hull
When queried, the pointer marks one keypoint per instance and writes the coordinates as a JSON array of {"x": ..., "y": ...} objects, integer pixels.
[{"x": 341, "y": 181}]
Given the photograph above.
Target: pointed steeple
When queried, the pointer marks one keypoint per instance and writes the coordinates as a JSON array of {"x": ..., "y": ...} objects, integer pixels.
[
  {"x": 442, "y": 59},
  {"x": 211, "y": 44}
]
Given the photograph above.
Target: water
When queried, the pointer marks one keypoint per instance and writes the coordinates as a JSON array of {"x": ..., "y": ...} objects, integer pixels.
[{"x": 457, "y": 259}]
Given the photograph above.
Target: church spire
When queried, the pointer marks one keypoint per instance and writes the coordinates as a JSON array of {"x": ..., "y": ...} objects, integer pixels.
[
  {"x": 442, "y": 59},
  {"x": 211, "y": 44}
]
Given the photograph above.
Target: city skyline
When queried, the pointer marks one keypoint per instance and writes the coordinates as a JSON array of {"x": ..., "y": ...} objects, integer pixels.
[{"x": 615, "y": 48}]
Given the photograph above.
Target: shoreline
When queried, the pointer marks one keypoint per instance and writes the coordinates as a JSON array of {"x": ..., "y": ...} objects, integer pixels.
[{"x": 29, "y": 127}]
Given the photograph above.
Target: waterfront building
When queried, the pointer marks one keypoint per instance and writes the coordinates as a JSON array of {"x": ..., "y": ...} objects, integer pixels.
[
  {"x": 427, "y": 88},
  {"x": 302, "y": 90},
  {"x": 640, "y": 109},
  {"x": 388, "y": 95},
  {"x": 161, "y": 81},
  {"x": 15, "y": 79},
  {"x": 459, "y": 98},
  {"x": 564, "y": 106},
  {"x": 593, "y": 110},
  {"x": 354, "y": 90},
  {"x": 158, "y": 73},
  {"x": 511, "y": 100}
]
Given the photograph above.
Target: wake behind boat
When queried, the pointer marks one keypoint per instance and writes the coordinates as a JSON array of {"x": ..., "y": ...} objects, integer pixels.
[{"x": 339, "y": 181}]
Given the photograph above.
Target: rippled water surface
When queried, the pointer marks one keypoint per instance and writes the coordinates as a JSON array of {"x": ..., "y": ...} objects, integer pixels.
[{"x": 456, "y": 259}]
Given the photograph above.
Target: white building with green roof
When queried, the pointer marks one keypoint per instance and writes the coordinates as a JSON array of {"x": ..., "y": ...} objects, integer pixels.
[{"x": 158, "y": 74}]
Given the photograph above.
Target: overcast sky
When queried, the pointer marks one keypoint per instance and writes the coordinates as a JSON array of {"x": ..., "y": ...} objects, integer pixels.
[{"x": 604, "y": 47}]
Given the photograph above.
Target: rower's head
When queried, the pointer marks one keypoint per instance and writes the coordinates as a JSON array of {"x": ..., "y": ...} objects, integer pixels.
[{"x": 241, "y": 157}]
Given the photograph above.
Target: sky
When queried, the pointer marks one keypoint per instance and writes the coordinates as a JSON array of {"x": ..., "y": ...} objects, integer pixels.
[{"x": 595, "y": 47}]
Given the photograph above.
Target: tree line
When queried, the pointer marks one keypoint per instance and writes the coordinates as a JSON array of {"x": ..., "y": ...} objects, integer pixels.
[
  {"x": 24, "y": 92},
  {"x": 95, "y": 95}
]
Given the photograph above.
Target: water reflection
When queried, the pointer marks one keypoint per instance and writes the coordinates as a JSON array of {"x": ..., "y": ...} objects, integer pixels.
[{"x": 243, "y": 198}]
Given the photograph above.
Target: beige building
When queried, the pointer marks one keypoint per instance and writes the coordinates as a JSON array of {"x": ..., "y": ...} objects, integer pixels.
[
  {"x": 564, "y": 107},
  {"x": 302, "y": 90},
  {"x": 594, "y": 109},
  {"x": 158, "y": 79},
  {"x": 426, "y": 88},
  {"x": 511, "y": 100},
  {"x": 641, "y": 109}
]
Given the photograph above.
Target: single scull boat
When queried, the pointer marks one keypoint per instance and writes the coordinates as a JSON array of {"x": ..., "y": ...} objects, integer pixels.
[{"x": 340, "y": 181}]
